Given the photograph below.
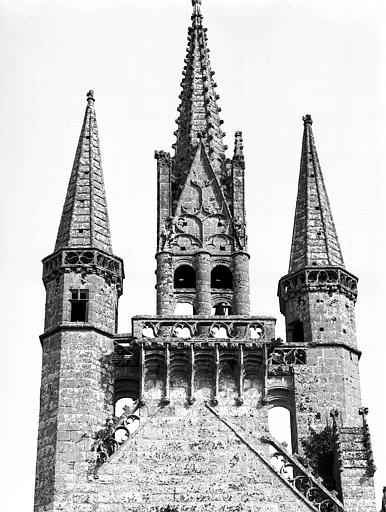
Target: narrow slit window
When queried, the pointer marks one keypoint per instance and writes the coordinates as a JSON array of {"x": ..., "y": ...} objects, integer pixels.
[{"x": 79, "y": 305}]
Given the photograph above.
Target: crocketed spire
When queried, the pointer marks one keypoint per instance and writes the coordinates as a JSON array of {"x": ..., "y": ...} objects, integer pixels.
[
  {"x": 199, "y": 112},
  {"x": 84, "y": 221},
  {"x": 314, "y": 240}
]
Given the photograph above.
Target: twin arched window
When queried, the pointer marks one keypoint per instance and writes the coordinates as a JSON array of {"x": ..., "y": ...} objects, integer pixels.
[{"x": 221, "y": 277}]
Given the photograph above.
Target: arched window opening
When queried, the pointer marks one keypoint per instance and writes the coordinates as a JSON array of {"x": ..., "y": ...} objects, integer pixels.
[
  {"x": 221, "y": 277},
  {"x": 181, "y": 331},
  {"x": 148, "y": 331},
  {"x": 121, "y": 406},
  {"x": 296, "y": 332},
  {"x": 255, "y": 332},
  {"x": 185, "y": 277},
  {"x": 219, "y": 331},
  {"x": 184, "y": 309},
  {"x": 121, "y": 403},
  {"x": 222, "y": 309},
  {"x": 279, "y": 423}
]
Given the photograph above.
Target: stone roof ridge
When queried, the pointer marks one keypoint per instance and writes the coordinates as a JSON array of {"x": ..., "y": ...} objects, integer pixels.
[
  {"x": 199, "y": 112},
  {"x": 314, "y": 239},
  {"x": 84, "y": 222}
]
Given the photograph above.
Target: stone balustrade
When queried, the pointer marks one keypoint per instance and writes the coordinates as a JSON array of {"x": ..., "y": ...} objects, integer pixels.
[{"x": 234, "y": 327}]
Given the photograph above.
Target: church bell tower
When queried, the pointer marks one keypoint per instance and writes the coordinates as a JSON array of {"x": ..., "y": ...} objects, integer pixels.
[{"x": 176, "y": 416}]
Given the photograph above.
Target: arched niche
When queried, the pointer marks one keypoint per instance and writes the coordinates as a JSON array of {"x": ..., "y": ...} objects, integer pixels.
[
  {"x": 281, "y": 417},
  {"x": 184, "y": 308},
  {"x": 125, "y": 387},
  {"x": 221, "y": 278},
  {"x": 222, "y": 308},
  {"x": 279, "y": 423},
  {"x": 185, "y": 277}
]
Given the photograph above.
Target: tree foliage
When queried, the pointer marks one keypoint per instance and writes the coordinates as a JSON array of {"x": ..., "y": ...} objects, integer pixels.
[{"x": 319, "y": 451}]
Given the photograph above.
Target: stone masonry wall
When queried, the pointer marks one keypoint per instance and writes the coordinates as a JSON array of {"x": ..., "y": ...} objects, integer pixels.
[
  {"x": 102, "y": 304},
  {"x": 330, "y": 381},
  {"x": 182, "y": 456},
  {"x": 327, "y": 318},
  {"x": 76, "y": 399},
  {"x": 187, "y": 458},
  {"x": 77, "y": 382}
]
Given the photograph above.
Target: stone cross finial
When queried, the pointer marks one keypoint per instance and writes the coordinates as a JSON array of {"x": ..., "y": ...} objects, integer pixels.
[
  {"x": 90, "y": 97},
  {"x": 307, "y": 119}
]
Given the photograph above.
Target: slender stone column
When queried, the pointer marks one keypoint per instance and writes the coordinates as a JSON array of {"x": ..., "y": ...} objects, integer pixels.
[
  {"x": 166, "y": 399},
  {"x": 216, "y": 374},
  {"x": 240, "y": 374},
  {"x": 241, "y": 283},
  {"x": 191, "y": 398},
  {"x": 165, "y": 283},
  {"x": 142, "y": 375},
  {"x": 203, "y": 268}
]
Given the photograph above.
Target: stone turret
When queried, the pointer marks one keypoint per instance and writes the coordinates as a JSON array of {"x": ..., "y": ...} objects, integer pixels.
[
  {"x": 83, "y": 282},
  {"x": 318, "y": 295},
  {"x": 317, "y": 298}
]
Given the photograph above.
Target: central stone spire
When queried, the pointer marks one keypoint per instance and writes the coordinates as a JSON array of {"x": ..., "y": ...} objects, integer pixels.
[{"x": 199, "y": 117}]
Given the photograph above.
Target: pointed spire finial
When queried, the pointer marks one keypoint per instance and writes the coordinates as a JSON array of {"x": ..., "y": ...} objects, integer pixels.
[
  {"x": 238, "y": 154},
  {"x": 196, "y": 4},
  {"x": 307, "y": 119},
  {"x": 90, "y": 98}
]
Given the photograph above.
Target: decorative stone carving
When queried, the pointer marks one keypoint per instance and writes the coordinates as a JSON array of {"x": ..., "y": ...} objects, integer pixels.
[
  {"x": 92, "y": 259},
  {"x": 239, "y": 226},
  {"x": 109, "y": 439},
  {"x": 328, "y": 279},
  {"x": 301, "y": 478},
  {"x": 287, "y": 356},
  {"x": 235, "y": 328}
]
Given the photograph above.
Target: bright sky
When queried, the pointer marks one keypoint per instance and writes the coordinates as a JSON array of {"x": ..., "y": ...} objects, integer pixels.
[{"x": 275, "y": 60}]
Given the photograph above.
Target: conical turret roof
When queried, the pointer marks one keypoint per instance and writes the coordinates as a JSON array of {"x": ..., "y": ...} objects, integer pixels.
[
  {"x": 314, "y": 240},
  {"x": 84, "y": 221},
  {"x": 199, "y": 113}
]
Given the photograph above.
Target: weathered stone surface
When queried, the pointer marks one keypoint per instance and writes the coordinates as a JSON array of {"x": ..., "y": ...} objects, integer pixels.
[{"x": 202, "y": 383}]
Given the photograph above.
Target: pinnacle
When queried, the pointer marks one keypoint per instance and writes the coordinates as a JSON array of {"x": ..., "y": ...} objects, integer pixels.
[
  {"x": 84, "y": 221},
  {"x": 314, "y": 240},
  {"x": 238, "y": 153},
  {"x": 198, "y": 109}
]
